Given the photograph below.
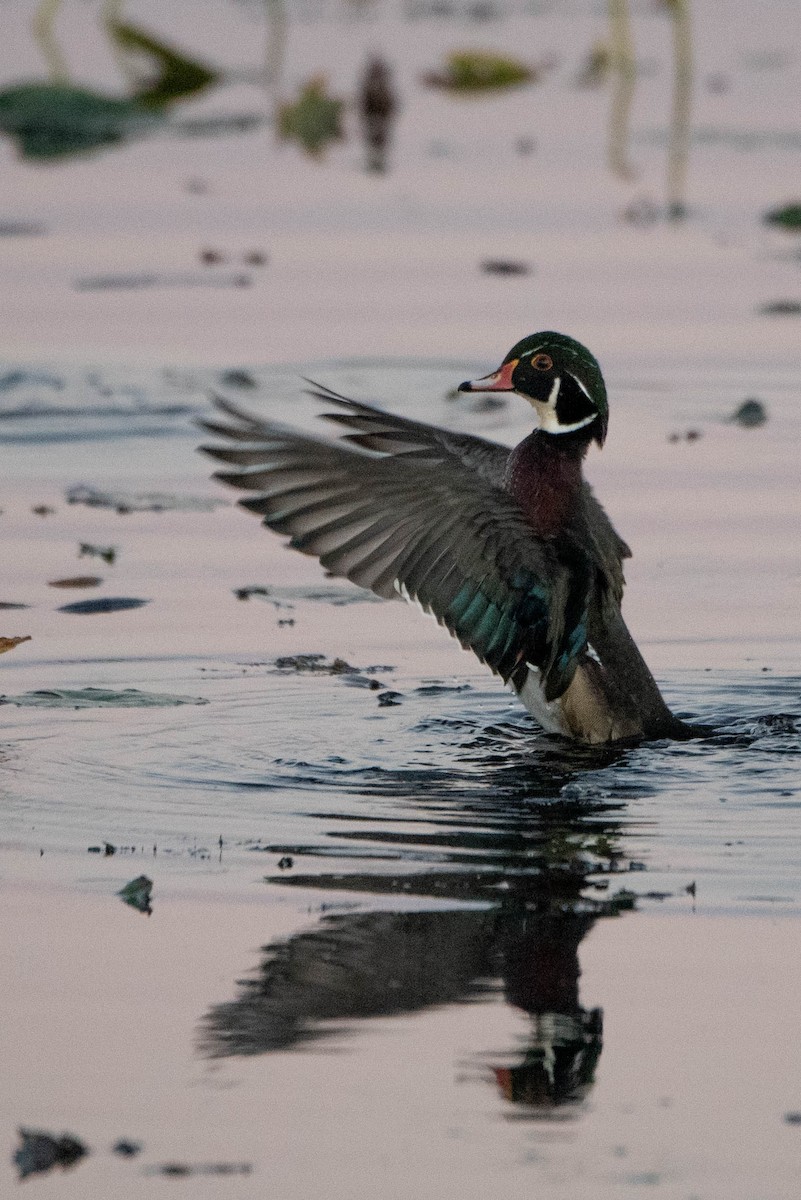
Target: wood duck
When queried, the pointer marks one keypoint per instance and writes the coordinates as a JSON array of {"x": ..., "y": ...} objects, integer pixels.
[{"x": 508, "y": 549}]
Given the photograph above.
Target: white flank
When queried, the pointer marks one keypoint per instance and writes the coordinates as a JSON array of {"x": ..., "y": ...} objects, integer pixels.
[{"x": 546, "y": 713}]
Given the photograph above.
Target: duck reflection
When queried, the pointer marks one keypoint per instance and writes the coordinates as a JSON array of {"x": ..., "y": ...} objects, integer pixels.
[{"x": 520, "y": 874}]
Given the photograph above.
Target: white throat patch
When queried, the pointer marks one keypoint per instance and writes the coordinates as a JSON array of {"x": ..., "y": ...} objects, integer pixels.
[{"x": 546, "y": 410}]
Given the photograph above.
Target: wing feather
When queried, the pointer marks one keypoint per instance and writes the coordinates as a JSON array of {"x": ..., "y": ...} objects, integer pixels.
[{"x": 430, "y": 526}]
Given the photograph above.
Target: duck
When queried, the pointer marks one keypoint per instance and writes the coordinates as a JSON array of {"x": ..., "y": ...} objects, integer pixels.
[{"x": 508, "y": 549}]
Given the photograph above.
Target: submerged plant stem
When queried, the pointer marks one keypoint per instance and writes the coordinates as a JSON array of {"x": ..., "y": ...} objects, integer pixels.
[
  {"x": 623, "y": 71},
  {"x": 43, "y": 32},
  {"x": 111, "y": 15},
  {"x": 679, "y": 141},
  {"x": 275, "y": 47}
]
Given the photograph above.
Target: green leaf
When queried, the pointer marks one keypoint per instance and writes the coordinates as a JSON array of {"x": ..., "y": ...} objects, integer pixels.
[
  {"x": 788, "y": 217},
  {"x": 53, "y": 120},
  {"x": 481, "y": 71},
  {"x": 314, "y": 120},
  {"x": 137, "y": 894},
  {"x": 174, "y": 75}
]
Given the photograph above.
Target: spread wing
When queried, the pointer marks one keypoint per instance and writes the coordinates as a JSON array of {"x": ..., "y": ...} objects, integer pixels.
[
  {"x": 417, "y": 520},
  {"x": 374, "y": 429}
]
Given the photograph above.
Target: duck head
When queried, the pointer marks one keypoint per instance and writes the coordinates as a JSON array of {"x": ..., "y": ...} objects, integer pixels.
[{"x": 559, "y": 378}]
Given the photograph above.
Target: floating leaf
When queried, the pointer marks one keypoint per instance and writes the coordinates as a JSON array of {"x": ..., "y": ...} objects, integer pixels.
[
  {"x": 39, "y": 1151},
  {"x": 481, "y": 71},
  {"x": 750, "y": 414},
  {"x": 52, "y": 120},
  {"x": 137, "y": 894},
  {"x": 788, "y": 217},
  {"x": 314, "y": 120},
  {"x": 76, "y": 581},
  {"x": 108, "y": 604},
  {"x": 176, "y": 75},
  {"x": 7, "y": 644}
]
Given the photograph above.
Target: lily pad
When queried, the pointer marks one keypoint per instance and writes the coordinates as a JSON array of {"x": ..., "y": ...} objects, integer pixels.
[
  {"x": 314, "y": 120},
  {"x": 94, "y": 697},
  {"x": 54, "y": 120}
]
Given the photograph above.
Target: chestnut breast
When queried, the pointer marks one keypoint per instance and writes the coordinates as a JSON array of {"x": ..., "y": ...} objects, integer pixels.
[{"x": 543, "y": 475}]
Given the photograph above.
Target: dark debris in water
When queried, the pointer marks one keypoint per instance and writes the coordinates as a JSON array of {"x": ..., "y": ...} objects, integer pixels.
[
  {"x": 22, "y": 229},
  {"x": 128, "y": 502},
  {"x": 76, "y": 581},
  {"x": 781, "y": 308},
  {"x": 94, "y": 697},
  {"x": 442, "y": 689},
  {"x": 11, "y": 604},
  {"x": 750, "y": 414},
  {"x": 285, "y": 597},
  {"x": 788, "y": 216},
  {"x": 688, "y": 435},
  {"x": 126, "y": 1148},
  {"x": 318, "y": 664},
  {"x": 17, "y": 378},
  {"x": 245, "y": 593},
  {"x": 39, "y": 1151},
  {"x": 109, "y": 604},
  {"x": 143, "y": 280},
  {"x": 238, "y": 378},
  {"x": 107, "y": 553},
  {"x": 180, "y": 1170},
  {"x": 505, "y": 266}
]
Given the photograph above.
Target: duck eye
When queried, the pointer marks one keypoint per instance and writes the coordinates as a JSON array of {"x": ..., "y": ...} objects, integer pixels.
[{"x": 542, "y": 362}]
